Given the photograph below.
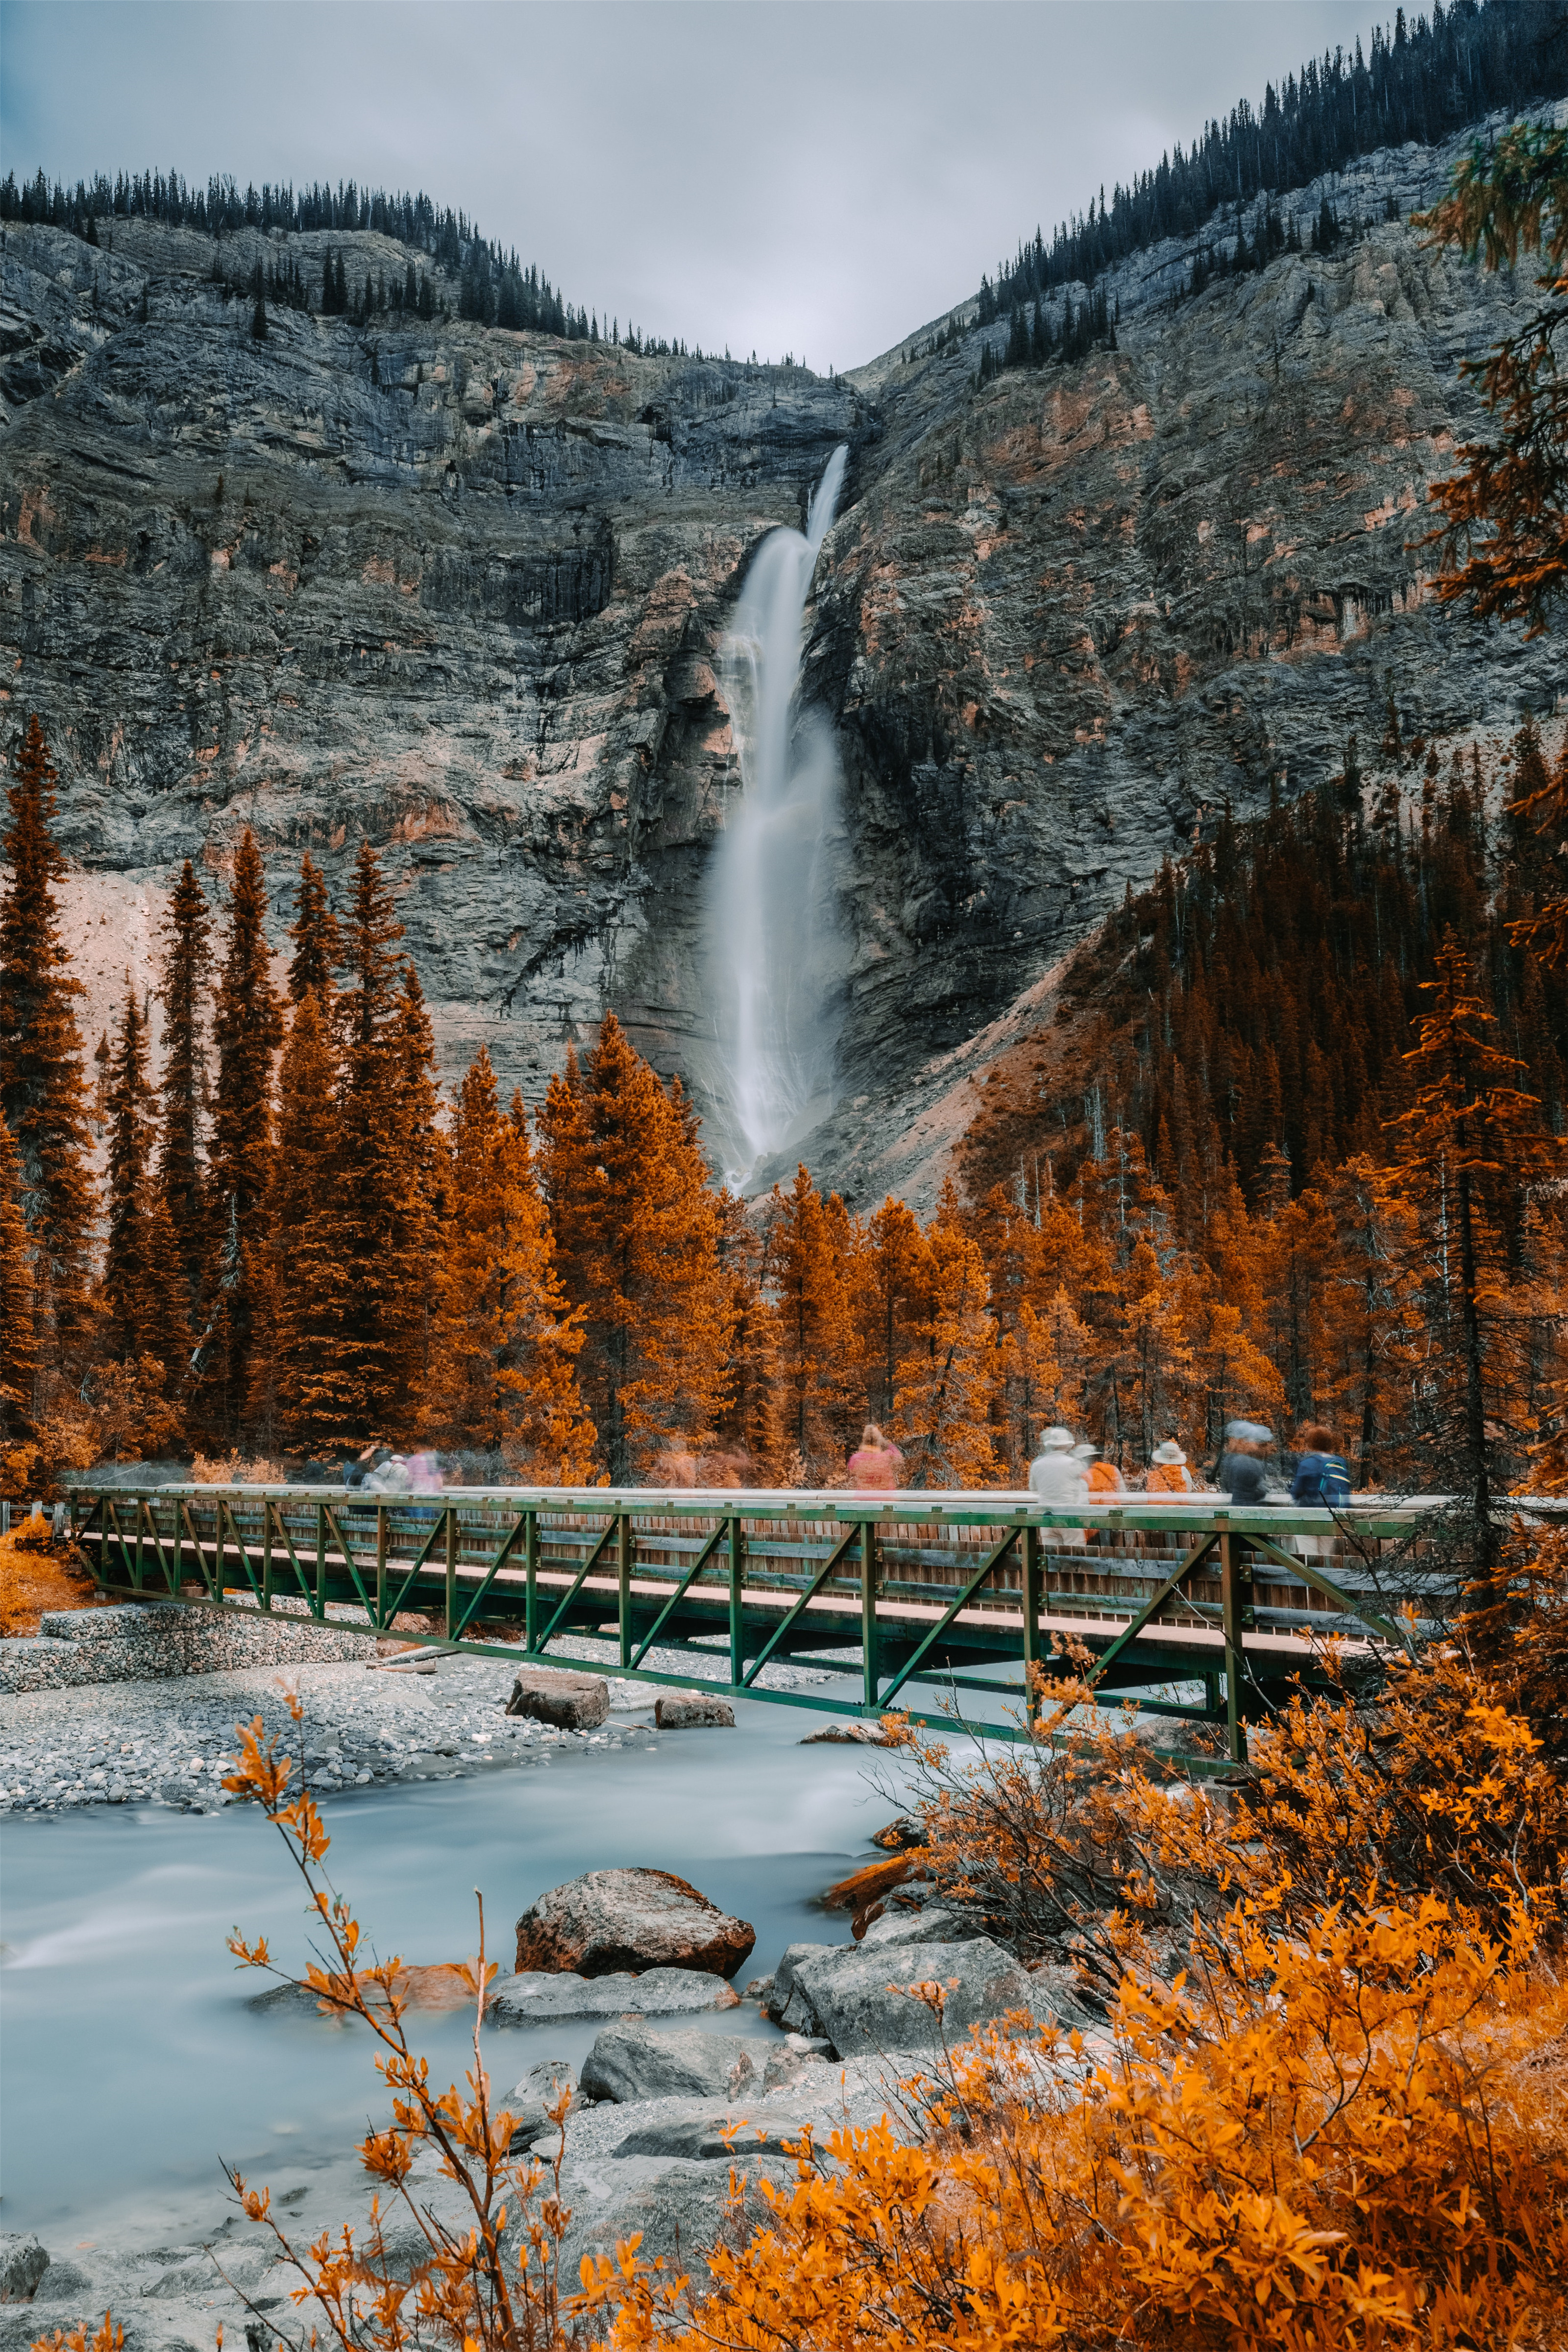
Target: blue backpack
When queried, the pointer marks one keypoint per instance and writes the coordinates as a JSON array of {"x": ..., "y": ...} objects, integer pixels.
[{"x": 1329, "y": 1484}]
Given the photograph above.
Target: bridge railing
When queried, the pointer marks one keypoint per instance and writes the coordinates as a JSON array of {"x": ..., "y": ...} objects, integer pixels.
[{"x": 892, "y": 1589}]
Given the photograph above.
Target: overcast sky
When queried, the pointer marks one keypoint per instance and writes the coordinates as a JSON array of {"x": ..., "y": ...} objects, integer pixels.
[{"x": 819, "y": 176}]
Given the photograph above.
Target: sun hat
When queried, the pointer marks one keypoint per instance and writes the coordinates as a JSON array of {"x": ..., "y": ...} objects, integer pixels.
[
  {"x": 1169, "y": 1452},
  {"x": 1056, "y": 1441}
]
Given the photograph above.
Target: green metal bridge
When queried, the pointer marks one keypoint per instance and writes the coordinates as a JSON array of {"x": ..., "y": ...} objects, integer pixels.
[{"x": 889, "y": 1595}]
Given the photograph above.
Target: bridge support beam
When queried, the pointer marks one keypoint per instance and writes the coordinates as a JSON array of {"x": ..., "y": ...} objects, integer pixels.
[
  {"x": 737, "y": 1628},
  {"x": 1236, "y": 1615},
  {"x": 872, "y": 1664}
]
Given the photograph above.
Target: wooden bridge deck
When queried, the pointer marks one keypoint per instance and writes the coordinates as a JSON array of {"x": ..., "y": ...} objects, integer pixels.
[{"x": 880, "y": 1591}]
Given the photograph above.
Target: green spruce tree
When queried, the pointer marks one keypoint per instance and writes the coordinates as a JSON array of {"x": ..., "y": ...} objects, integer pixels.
[{"x": 44, "y": 1096}]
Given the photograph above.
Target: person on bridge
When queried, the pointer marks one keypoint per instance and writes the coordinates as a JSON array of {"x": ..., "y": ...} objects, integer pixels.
[
  {"x": 1168, "y": 1471},
  {"x": 1323, "y": 1479},
  {"x": 1323, "y": 1473},
  {"x": 874, "y": 1464},
  {"x": 1057, "y": 1476},
  {"x": 1247, "y": 1444},
  {"x": 1103, "y": 1477}
]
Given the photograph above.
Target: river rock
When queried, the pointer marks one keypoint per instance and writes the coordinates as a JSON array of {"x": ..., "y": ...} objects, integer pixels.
[
  {"x": 849, "y": 1734},
  {"x": 681, "y": 2214},
  {"x": 899, "y": 1835},
  {"x": 530, "y": 2098},
  {"x": 931, "y": 1925},
  {"x": 543, "y": 1996},
  {"x": 693, "y": 1711},
  {"x": 23, "y": 2261},
  {"x": 571, "y": 1702},
  {"x": 609, "y": 1920},
  {"x": 855, "y": 1997},
  {"x": 713, "y": 2135},
  {"x": 629, "y": 2062}
]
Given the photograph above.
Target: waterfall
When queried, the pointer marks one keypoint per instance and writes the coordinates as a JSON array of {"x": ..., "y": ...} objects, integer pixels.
[{"x": 774, "y": 961}]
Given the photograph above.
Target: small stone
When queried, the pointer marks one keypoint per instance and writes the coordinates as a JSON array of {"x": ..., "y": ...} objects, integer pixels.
[
  {"x": 571, "y": 1702},
  {"x": 693, "y": 1711}
]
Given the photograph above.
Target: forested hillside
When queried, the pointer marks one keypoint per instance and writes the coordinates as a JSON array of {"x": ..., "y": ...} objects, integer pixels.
[
  {"x": 1419, "y": 81},
  {"x": 1246, "y": 1205}
]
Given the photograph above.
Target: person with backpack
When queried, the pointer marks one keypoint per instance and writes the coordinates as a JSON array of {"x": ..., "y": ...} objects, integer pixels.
[
  {"x": 1057, "y": 1478},
  {"x": 1322, "y": 1481},
  {"x": 1168, "y": 1471},
  {"x": 1323, "y": 1475}
]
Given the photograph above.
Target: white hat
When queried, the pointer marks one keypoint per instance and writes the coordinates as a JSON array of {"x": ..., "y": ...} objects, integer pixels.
[
  {"x": 1056, "y": 1441},
  {"x": 1169, "y": 1452}
]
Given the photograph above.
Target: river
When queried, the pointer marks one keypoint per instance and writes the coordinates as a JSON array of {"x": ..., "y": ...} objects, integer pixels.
[{"x": 131, "y": 2061}]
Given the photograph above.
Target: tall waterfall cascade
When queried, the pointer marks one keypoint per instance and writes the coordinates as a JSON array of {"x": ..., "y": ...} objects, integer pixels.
[{"x": 775, "y": 957}]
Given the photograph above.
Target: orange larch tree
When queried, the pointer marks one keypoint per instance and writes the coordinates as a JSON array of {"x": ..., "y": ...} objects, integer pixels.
[
  {"x": 505, "y": 1340},
  {"x": 806, "y": 1274},
  {"x": 386, "y": 1120},
  {"x": 636, "y": 1229},
  {"x": 18, "y": 1335},
  {"x": 1470, "y": 1148},
  {"x": 183, "y": 1086},
  {"x": 302, "y": 1394},
  {"x": 943, "y": 1405}
]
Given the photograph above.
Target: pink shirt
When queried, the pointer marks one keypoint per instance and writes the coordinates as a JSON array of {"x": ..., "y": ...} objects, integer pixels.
[{"x": 876, "y": 1468}]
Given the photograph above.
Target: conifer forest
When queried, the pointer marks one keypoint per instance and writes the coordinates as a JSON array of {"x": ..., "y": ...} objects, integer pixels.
[{"x": 278, "y": 1238}]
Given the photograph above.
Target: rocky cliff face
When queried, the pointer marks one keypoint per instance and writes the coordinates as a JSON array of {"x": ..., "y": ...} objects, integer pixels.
[{"x": 463, "y": 592}]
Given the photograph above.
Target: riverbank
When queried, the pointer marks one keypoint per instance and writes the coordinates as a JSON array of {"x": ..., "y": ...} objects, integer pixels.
[{"x": 426, "y": 1715}]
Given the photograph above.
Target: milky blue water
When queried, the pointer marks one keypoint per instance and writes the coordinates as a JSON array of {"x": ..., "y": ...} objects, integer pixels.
[{"x": 129, "y": 2059}]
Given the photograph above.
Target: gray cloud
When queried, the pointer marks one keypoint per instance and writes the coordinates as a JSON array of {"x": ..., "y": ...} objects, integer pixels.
[{"x": 820, "y": 177}]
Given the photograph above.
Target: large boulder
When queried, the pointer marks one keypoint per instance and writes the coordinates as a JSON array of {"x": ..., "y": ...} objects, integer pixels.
[
  {"x": 544, "y": 1996},
  {"x": 571, "y": 1702},
  {"x": 630, "y": 2062},
  {"x": 931, "y": 1925},
  {"x": 858, "y": 1999},
  {"x": 23, "y": 2261},
  {"x": 681, "y": 2214},
  {"x": 609, "y": 1920}
]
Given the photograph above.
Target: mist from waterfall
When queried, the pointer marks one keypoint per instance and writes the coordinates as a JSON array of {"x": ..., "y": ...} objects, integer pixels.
[{"x": 775, "y": 956}]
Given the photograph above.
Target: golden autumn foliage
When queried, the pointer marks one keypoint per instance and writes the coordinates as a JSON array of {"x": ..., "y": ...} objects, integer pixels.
[
  {"x": 1343, "y": 2138},
  {"x": 36, "y": 1574},
  {"x": 1316, "y": 2108}
]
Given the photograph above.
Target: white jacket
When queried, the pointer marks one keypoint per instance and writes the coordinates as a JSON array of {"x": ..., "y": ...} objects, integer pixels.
[{"x": 1058, "y": 1480}]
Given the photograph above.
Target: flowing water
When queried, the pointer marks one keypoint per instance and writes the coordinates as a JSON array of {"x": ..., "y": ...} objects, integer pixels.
[
  {"x": 775, "y": 957},
  {"x": 131, "y": 2061}
]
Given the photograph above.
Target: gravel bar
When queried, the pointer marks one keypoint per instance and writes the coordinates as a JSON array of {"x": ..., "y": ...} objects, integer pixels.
[{"x": 430, "y": 1715}]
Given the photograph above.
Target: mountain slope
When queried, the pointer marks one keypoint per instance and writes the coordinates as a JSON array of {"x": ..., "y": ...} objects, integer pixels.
[{"x": 463, "y": 588}]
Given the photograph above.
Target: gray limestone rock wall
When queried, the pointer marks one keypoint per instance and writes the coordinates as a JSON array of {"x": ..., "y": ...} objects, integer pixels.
[{"x": 462, "y": 591}]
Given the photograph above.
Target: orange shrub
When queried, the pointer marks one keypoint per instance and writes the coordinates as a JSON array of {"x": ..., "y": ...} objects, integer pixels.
[
  {"x": 1347, "y": 2138},
  {"x": 36, "y": 1574}
]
